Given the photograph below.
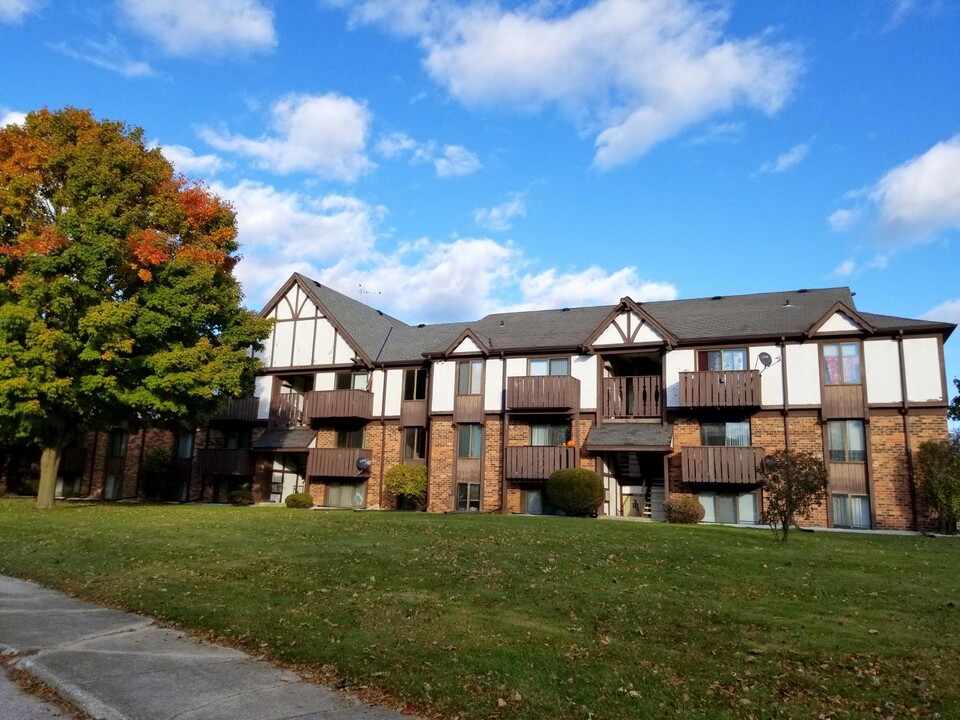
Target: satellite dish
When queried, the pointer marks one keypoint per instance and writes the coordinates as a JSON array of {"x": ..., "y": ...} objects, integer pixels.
[
  {"x": 364, "y": 463},
  {"x": 765, "y": 359}
]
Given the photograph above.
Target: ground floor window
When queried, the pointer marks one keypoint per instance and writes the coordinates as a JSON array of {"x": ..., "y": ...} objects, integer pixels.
[
  {"x": 468, "y": 497},
  {"x": 729, "y": 508},
  {"x": 68, "y": 486},
  {"x": 346, "y": 495},
  {"x": 223, "y": 486},
  {"x": 534, "y": 501},
  {"x": 851, "y": 511}
]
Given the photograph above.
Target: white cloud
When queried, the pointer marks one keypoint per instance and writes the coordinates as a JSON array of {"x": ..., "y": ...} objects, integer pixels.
[
  {"x": 322, "y": 134},
  {"x": 921, "y": 196},
  {"x": 635, "y": 73},
  {"x": 498, "y": 218},
  {"x": 453, "y": 160},
  {"x": 276, "y": 226},
  {"x": 456, "y": 160},
  {"x": 948, "y": 311},
  {"x": 187, "y": 27},
  {"x": 188, "y": 162},
  {"x": 11, "y": 117},
  {"x": 845, "y": 268},
  {"x": 109, "y": 55},
  {"x": 13, "y": 11},
  {"x": 786, "y": 160},
  {"x": 844, "y": 219},
  {"x": 593, "y": 286},
  {"x": 719, "y": 133}
]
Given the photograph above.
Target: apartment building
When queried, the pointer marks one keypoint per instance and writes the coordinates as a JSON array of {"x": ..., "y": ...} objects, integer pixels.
[{"x": 666, "y": 398}]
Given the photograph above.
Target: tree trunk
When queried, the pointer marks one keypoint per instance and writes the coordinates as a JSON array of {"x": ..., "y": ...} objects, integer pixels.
[{"x": 49, "y": 468}]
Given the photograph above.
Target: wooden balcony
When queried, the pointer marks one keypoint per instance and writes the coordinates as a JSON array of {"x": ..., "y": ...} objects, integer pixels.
[
  {"x": 413, "y": 413},
  {"x": 287, "y": 411},
  {"x": 238, "y": 410},
  {"x": 72, "y": 460},
  {"x": 336, "y": 462},
  {"x": 632, "y": 397},
  {"x": 543, "y": 392},
  {"x": 720, "y": 388},
  {"x": 537, "y": 463},
  {"x": 843, "y": 401},
  {"x": 468, "y": 409},
  {"x": 220, "y": 461},
  {"x": 336, "y": 404},
  {"x": 718, "y": 464}
]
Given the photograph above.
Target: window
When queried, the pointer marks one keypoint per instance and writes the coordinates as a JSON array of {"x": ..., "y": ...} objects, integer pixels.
[
  {"x": 468, "y": 497},
  {"x": 550, "y": 366},
  {"x": 346, "y": 495},
  {"x": 415, "y": 384},
  {"x": 852, "y": 511},
  {"x": 729, "y": 508},
  {"x": 846, "y": 441},
  {"x": 414, "y": 443},
  {"x": 351, "y": 380},
  {"x": 350, "y": 438},
  {"x": 728, "y": 359},
  {"x": 470, "y": 441},
  {"x": 731, "y": 434},
  {"x": 469, "y": 377},
  {"x": 236, "y": 440},
  {"x": 118, "y": 443},
  {"x": 185, "y": 445},
  {"x": 841, "y": 364},
  {"x": 549, "y": 435}
]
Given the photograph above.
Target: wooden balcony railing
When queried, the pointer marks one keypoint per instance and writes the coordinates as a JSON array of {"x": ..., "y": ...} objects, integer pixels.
[
  {"x": 537, "y": 463},
  {"x": 336, "y": 462},
  {"x": 842, "y": 401},
  {"x": 287, "y": 411},
  {"x": 543, "y": 392},
  {"x": 720, "y": 464},
  {"x": 468, "y": 409},
  {"x": 243, "y": 409},
  {"x": 72, "y": 460},
  {"x": 632, "y": 397},
  {"x": 332, "y": 404},
  {"x": 413, "y": 413},
  {"x": 219, "y": 461},
  {"x": 720, "y": 388}
]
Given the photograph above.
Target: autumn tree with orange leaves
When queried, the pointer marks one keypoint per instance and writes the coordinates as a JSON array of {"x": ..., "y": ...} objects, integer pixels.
[{"x": 117, "y": 295}]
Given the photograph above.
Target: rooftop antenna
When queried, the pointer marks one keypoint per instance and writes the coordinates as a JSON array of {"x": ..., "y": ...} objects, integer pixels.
[{"x": 362, "y": 292}]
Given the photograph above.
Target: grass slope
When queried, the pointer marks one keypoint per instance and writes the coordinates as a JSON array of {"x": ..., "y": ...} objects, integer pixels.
[{"x": 514, "y": 617}]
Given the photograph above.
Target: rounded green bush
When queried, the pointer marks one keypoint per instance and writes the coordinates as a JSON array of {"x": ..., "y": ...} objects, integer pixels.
[
  {"x": 575, "y": 491},
  {"x": 409, "y": 484},
  {"x": 686, "y": 510},
  {"x": 299, "y": 500},
  {"x": 240, "y": 497}
]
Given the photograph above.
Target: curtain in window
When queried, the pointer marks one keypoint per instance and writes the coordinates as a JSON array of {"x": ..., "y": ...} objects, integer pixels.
[
  {"x": 734, "y": 359},
  {"x": 540, "y": 435},
  {"x": 560, "y": 366},
  {"x": 851, "y": 363},
  {"x": 738, "y": 434},
  {"x": 835, "y": 433},
  {"x": 841, "y": 511},
  {"x": 831, "y": 365},
  {"x": 856, "y": 445},
  {"x": 747, "y": 508},
  {"x": 713, "y": 434},
  {"x": 859, "y": 511},
  {"x": 470, "y": 441},
  {"x": 707, "y": 499},
  {"x": 539, "y": 368}
]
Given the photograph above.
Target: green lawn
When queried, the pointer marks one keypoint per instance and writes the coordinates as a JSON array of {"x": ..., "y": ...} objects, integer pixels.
[{"x": 515, "y": 617}]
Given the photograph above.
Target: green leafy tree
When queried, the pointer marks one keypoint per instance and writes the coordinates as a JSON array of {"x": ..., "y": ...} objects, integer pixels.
[
  {"x": 954, "y": 410},
  {"x": 117, "y": 297},
  {"x": 793, "y": 483},
  {"x": 408, "y": 482},
  {"x": 939, "y": 474}
]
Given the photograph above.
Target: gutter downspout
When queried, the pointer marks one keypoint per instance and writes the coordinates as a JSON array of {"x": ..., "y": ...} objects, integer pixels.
[
  {"x": 383, "y": 428},
  {"x": 905, "y": 413},
  {"x": 786, "y": 393},
  {"x": 428, "y": 450},
  {"x": 503, "y": 443}
]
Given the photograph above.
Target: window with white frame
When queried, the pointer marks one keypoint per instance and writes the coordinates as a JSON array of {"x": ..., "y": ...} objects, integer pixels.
[
  {"x": 841, "y": 364},
  {"x": 724, "y": 359},
  {"x": 851, "y": 511},
  {"x": 730, "y": 434},
  {"x": 729, "y": 508},
  {"x": 549, "y": 435},
  {"x": 550, "y": 366}
]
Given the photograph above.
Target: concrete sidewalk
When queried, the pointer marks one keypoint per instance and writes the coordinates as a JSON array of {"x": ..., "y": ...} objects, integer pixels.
[{"x": 119, "y": 666}]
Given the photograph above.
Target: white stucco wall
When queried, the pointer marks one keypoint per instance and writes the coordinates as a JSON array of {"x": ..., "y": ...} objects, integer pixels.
[
  {"x": 323, "y": 343},
  {"x": 325, "y": 381},
  {"x": 881, "y": 360},
  {"x": 676, "y": 362},
  {"x": 344, "y": 353},
  {"x": 303, "y": 342},
  {"x": 584, "y": 368},
  {"x": 646, "y": 334},
  {"x": 921, "y": 358},
  {"x": 376, "y": 385},
  {"x": 467, "y": 345},
  {"x": 803, "y": 374},
  {"x": 516, "y": 367},
  {"x": 771, "y": 378},
  {"x": 282, "y": 343},
  {"x": 840, "y": 322},
  {"x": 394, "y": 392},
  {"x": 444, "y": 386},
  {"x": 493, "y": 385},
  {"x": 263, "y": 389}
]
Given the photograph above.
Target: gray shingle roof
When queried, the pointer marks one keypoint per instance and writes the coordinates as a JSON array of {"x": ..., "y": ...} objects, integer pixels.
[
  {"x": 788, "y": 313},
  {"x": 285, "y": 439},
  {"x": 618, "y": 435}
]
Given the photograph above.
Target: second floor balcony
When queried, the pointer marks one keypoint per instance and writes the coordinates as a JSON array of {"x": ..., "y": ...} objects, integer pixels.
[
  {"x": 336, "y": 404},
  {"x": 337, "y": 462},
  {"x": 720, "y": 388},
  {"x": 627, "y": 398},
  {"x": 221, "y": 461},
  {"x": 245, "y": 409},
  {"x": 543, "y": 392}
]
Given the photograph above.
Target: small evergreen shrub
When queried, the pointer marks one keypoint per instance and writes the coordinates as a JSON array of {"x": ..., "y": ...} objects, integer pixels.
[
  {"x": 939, "y": 466},
  {"x": 299, "y": 500},
  {"x": 240, "y": 497},
  {"x": 686, "y": 510},
  {"x": 575, "y": 491},
  {"x": 409, "y": 484}
]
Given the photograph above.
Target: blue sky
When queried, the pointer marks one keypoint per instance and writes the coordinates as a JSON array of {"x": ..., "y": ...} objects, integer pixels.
[{"x": 443, "y": 159}]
